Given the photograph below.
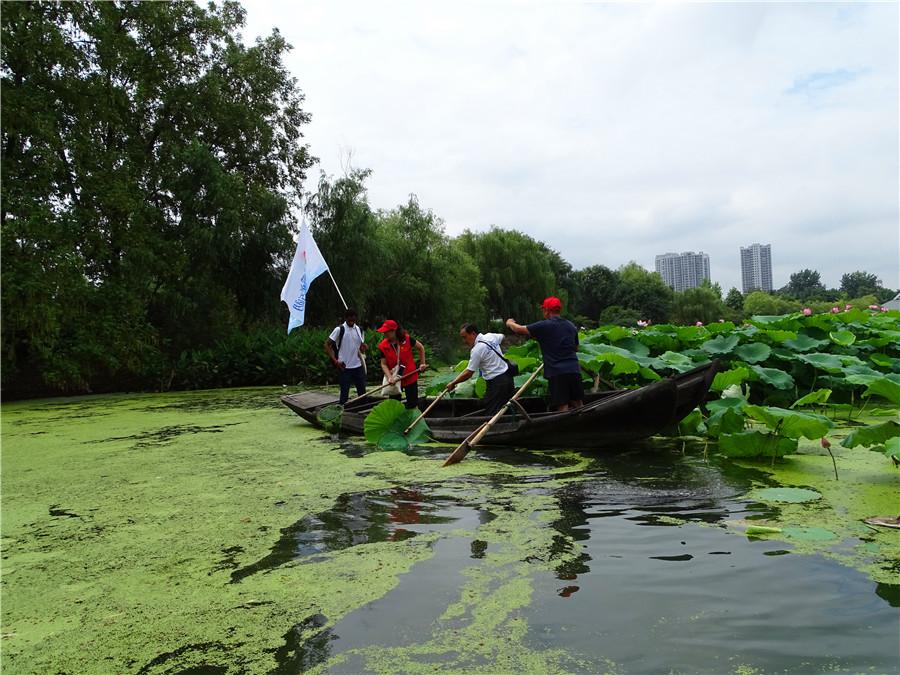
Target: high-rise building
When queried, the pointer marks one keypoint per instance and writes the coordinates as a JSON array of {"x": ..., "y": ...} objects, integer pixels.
[
  {"x": 683, "y": 270},
  {"x": 756, "y": 267}
]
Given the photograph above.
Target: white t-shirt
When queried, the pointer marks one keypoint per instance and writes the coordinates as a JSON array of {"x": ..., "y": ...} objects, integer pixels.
[
  {"x": 485, "y": 359},
  {"x": 349, "y": 351}
]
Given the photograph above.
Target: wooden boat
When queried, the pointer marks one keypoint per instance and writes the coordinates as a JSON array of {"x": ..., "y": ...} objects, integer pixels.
[{"x": 610, "y": 418}]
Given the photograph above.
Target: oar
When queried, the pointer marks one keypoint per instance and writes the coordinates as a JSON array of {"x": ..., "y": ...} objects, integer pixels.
[
  {"x": 427, "y": 410},
  {"x": 384, "y": 386},
  {"x": 463, "y": 449}
]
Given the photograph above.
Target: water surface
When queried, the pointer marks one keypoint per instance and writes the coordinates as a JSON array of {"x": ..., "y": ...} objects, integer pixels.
[{"x": 216, "y": 532}]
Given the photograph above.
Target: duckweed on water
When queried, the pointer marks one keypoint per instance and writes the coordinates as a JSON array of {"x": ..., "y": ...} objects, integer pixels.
[
  {"x": 216, "y": 530},
  {"x": 126, "y": 516}
]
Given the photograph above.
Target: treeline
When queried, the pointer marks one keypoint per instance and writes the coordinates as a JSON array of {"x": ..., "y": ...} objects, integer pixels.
[{"x": 150, "y": 166}]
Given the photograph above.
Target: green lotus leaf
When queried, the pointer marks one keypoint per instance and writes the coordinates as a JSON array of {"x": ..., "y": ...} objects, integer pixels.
[
  {"x": 728, "y": 378},
  {"x": 525, "y": 363},
  {"x": 724, "y": 403},
  {"x": 676, "y": 361},
  {"x": 622, "y": 365},
  {"x": 817, "y": 397},
  {"x": 753, "y": 352},
  {"x": 725, "y": 421},
  {"x": 692, "y": 425},
  {"x": 885, "y": 361},
  {"x": 691, "y": 334},
  {"x": 803, "y": 343},
  {"x": 773, "y": 376},
  {"x": 884, "y": 387},
  {"x": 649, "y": 374},
  {"x": 392, "y": 417},
  {"x": 790, "y": 423},
  {"x": 633, "y": 346},
  {"x": 776, "y": 335},
  {"x": 878, "y": 434},
  {"x": 721, "y": 344},
  {"x": 756, "y": 444},
  {"x": 842, "y": 337},
  {"x": 827, "y": 362},
  {"x": 438, "y": 382}
]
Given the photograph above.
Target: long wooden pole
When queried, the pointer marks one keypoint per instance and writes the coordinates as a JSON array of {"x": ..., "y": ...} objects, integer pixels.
[
  {"x": 375, "y": 391},
  {"x": 427, "y": 410},
  {"x": 463, "y": 449}
]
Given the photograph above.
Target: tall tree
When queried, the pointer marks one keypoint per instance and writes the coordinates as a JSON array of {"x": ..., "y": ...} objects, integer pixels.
[
  {"x": 149, "y": 163},
  {"x": 596, "y": 286},
  {"x": 804, "y": 285},
  {"x": 858, "y": 284},
  {"x": 735, "y": 299},
  {"x": 515, "y": 269},
  {"x": 645, "y": 292}
]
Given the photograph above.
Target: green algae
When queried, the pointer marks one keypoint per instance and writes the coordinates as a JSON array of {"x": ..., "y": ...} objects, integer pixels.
[
  {"x": 138, "y": 508},
  {"x": 125, "y": 518},
  {"x": 833, "y": 525},
  {"x": 786, "y": 495}
]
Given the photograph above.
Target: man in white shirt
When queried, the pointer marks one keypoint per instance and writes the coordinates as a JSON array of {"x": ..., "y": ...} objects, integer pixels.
[
  {"x": 487, "y": 359},
  {"x": 346, "y": 347}
]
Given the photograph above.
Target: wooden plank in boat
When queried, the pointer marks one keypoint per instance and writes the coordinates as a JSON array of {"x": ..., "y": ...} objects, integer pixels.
[{"x": 312, "y": 399}]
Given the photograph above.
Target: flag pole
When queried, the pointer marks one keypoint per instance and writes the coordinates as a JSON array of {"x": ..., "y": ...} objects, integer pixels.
[{"x": 340, "y": 295}]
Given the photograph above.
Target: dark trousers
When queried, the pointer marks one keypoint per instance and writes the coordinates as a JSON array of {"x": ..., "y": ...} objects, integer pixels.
[
  {"x": 350, "y": 376},
  {"x": 498, "y": 392},
  {"x": 412, "y": 395}
]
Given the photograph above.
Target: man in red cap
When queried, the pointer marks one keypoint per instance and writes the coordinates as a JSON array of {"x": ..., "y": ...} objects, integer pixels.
[
  {"x": 558, "y": 339},
  {"x": 397, "y": 360}
]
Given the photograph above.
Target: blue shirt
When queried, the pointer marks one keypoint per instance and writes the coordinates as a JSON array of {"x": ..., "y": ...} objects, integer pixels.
[{"x": 558, "y": 339}]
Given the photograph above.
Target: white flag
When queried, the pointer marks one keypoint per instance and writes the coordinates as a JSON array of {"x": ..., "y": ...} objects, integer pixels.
[{"x": 308, "y": 264}]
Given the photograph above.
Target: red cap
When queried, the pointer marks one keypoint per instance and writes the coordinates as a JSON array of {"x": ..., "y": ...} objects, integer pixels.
[
  {"x": 552, "y": 304},
  {"x": 390, "y": 324}
]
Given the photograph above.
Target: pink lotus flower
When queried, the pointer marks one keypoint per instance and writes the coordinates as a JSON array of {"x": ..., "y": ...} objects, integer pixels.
[
  {"x": 846, "y": 307},
  {"x": 884, "y": 309},
  {"x": 825, "y": 443},
  {"x": 876, "y": 307},
  {"x": 721, "y": 320},
  {"x": 699, "y": 323},
  {"x": 835, "y": 310},
  {"x": 643, "y": 324},
  {"x": 807, "y": 311}
]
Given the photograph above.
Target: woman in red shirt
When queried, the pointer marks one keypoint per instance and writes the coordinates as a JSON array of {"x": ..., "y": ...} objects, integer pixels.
[{"x": 397, "y": 347}]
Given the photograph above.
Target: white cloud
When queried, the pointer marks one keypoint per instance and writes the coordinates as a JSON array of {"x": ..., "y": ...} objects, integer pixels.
[{"x": 617, "y": 131}]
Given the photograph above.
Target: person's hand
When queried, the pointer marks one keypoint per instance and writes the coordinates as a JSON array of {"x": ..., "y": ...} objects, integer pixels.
[
  {"x": 339, "y": 365},
  {"x": 450, "y": 386},
  {"x": 392, "y": 380},
  {"x": 509, "y": 323},
  {"x": 423, "y": 366},
  {"x": 364, "y": 347}
]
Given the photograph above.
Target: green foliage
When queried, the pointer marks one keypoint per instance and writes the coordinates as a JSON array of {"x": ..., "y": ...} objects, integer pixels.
[
  {"x": 756, "y": 444},
  {"x": 735, "y": 300},
  {"x": 596, "y": 287},
  {"x": 149, "y": 163},
  {"x": 516, "y": 271},
  {"x": 697, "y": 304},
  {"x": 790, "y": 423},
  {"x": 856, "y": 284},
  {"x": 804, "y": 285},
  {"x": 644, "y": 292},
  {"x": 762, "y": 303},
  {"x": 387, "y": 421},
  {"x": 817, "y": 397},
  {"x": 873, "y": 435},
  {"x": 620, "y": 316}
]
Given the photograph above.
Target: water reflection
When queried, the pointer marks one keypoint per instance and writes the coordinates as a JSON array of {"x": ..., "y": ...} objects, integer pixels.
[{"x": 394, "y": 514}]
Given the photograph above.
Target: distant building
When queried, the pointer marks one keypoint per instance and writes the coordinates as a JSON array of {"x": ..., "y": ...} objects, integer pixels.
[
  {"x": 756, "y": 267},
  {"x": 683, "y": 270}
]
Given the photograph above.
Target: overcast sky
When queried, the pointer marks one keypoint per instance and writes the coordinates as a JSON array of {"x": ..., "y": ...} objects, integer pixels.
[{"x": 614, "y": 132}]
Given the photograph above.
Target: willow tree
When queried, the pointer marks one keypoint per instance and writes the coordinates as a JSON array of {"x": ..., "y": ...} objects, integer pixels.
[{"x": 149, "y": 163}]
